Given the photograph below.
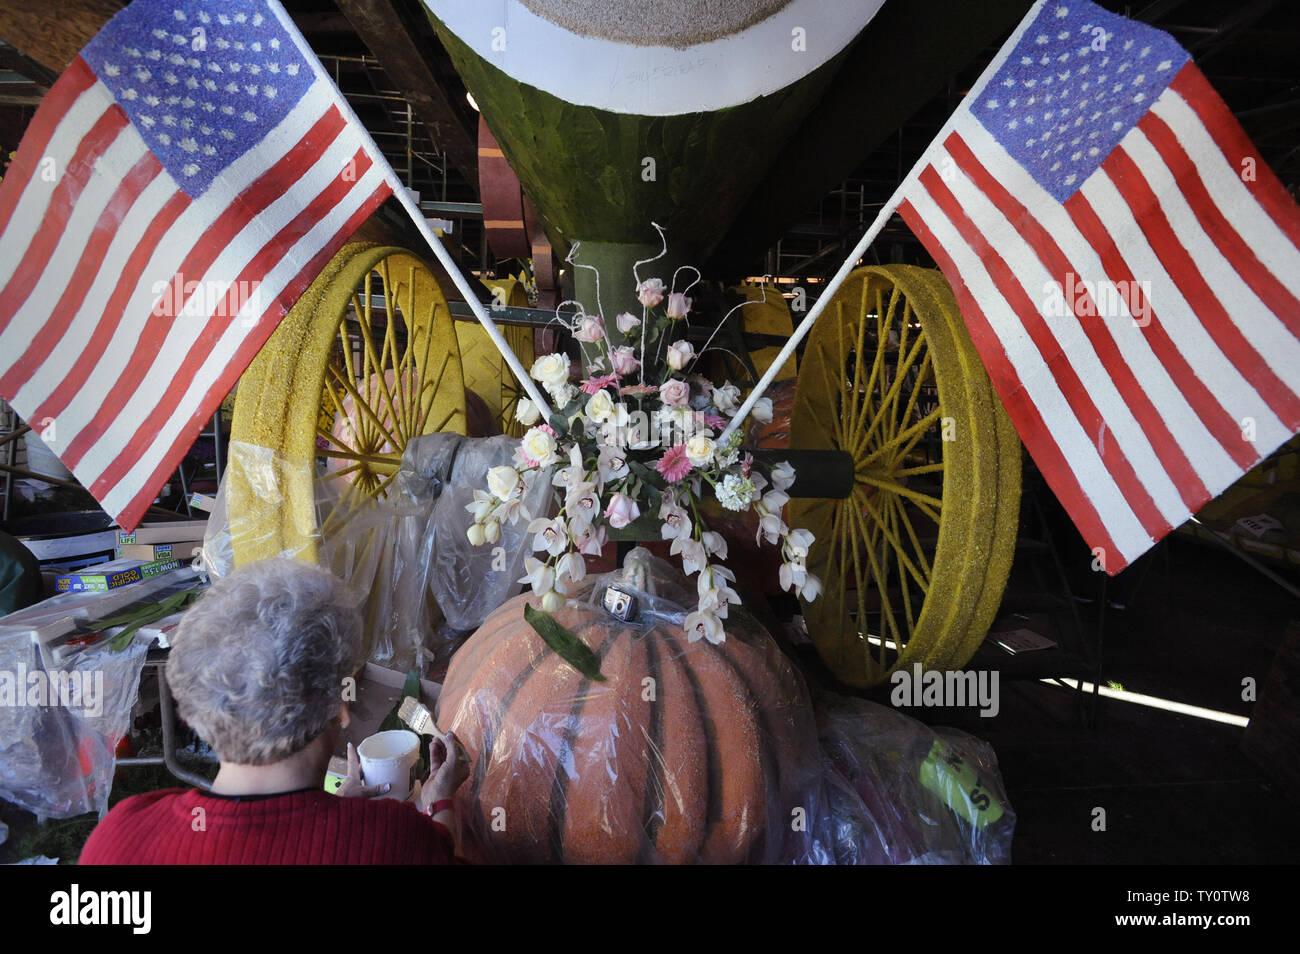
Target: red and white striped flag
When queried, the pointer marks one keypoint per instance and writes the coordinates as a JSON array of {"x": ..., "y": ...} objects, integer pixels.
[
  {"x": 180, "y": 186},
  {"x": 1129, "y": 269}
]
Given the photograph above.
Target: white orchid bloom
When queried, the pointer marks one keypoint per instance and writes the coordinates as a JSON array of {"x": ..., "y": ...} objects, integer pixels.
[
  {"x": 571, "y": 568},
  {"x": 811, "y": 588},
  {"x": 551, "y": 536},
  {"x": 715, "y": 543},
  {"x": 538, "y": 575},
  {"x": 704, "y": 625},
  {"x": 797, "y": 544},
  {"x": 483, "y": 504},
  {"x": 771, "y": 528},
  {"x": 612, "y": 464},
  {"x": 694, "y": 559}
]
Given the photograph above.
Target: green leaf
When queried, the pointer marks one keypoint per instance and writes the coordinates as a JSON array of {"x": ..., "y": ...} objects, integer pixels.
[
  {"x": 560, "y": 424},
  {"x": 569, "y": 647},
  {"x": 647, "y": 474},
  {"x": 143, "y": 615}
]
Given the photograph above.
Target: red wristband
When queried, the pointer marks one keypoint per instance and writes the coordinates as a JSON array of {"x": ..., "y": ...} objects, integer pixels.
[{"x": 443, "y": 805}]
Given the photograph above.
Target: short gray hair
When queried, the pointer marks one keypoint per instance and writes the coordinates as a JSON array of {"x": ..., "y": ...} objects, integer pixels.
[{"x": 257, "y": 665}]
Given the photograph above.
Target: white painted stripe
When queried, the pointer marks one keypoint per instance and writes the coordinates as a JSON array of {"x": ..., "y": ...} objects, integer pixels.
[
  {"x": 27, "y": 215},
  {"x": 1237, "y": 395},
  {"x": 170, "y": 255},
  {"x": 225, "y": 269},
  {"x": 220, "y": 358},
  {"x": 124, "y": 152},
  {"x": 1041, "y": 388},
  {"x": 656, "y": 80},
  {"x": 1270, "y": 244},
  {"x": 1207, "y": 457},
  {"x": 1073, "y": 346},
  {"x": 1258, "y": 325},
  {"x": 79, "y": 331}
]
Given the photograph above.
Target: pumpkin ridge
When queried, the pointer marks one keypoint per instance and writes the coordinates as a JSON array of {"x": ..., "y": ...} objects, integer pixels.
[
  {"x": 493, "y": 727},
  {"x": 713, "y": 813},
  {"x": 768, "y": 758},
  {"x": 748, "y": 703},
  {"x": 560, "y": 787},
  {"x": 652, "y": 810}
]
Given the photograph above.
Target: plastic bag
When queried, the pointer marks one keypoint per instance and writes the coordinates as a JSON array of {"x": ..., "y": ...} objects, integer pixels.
[
  {"x": 60, "y": 728},
  {"x": 900, "y": 792},
  {"x": 471, "y": 581},
  {"x": 687, "y": 752}
]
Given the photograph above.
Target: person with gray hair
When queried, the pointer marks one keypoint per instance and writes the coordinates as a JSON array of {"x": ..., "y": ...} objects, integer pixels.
[{"x": 257, "y": 668}]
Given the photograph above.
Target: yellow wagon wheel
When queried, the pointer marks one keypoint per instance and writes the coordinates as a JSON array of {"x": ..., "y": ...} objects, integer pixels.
[
  {"x": 364, "y": 361},
  {"x": 486, "y": 372},
  {"x": 915, "y": 560}
]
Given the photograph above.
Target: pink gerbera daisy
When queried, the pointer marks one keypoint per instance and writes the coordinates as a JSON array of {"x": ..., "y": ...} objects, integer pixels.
[
  {"x": 592, "y": 385},
  {"x": 674, "y": 465},
  {"x": 637, "y": 390},
  {"x": 714, "y": 421}
]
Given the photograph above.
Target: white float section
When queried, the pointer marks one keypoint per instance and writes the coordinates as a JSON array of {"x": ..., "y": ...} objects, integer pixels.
[{"x": 657, "y": 80}]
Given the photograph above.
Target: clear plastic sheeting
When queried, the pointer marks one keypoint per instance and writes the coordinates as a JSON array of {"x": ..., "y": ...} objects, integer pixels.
[
  {"x": 899, "y": 792},
  {"x": 59, "y": 727},
  {"x": 263, "y": 509},
  {"x": 687, "y": 752},
  {"x": 421, "y": 585},
  {"x": 471, "y": 581}
]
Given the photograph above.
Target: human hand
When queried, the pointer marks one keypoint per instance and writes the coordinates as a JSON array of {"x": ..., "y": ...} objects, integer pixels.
[
  {"x": 448, "y": 768},
  {"x": 352, "y": 786}
]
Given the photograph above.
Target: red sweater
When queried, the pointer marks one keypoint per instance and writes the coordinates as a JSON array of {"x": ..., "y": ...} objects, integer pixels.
[{"x": 297, "y": 828}]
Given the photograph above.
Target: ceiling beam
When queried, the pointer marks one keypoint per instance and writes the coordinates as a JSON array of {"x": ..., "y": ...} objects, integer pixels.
[
  {"x": 384, "y": 31},
  {"x": 52, "y": 34}
]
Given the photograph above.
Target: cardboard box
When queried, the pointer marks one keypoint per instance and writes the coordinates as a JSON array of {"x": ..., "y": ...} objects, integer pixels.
[
  {"x": 184, "y": 550},
  {"x": 111, "y": 575},
  {"x": 168, "y": 532}
]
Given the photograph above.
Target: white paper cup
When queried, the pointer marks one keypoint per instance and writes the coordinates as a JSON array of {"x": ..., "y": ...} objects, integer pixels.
[{"x": 390, "y": 757}]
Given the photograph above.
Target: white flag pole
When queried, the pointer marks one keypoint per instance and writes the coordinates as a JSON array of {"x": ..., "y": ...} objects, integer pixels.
[
  {"x": 475, "y": 305},
  {"x": 818, "y": 307},
  {"x": 404, "y": 197}
]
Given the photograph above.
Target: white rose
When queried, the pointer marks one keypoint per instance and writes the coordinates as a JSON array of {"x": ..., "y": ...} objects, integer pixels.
[
  {"x": 680, "y": 354},
  {"x": 539, "y": 446},
  {"x": 726, "y": 398},
  {"x": 601, "y": 407},
  {"x": 762, "y": 410},
  {"x": 551, "y": 369},
  {"x": 503, "y": 481},
  {"x": 699, "y": 450},
  {"x": 527, "y": 413}
]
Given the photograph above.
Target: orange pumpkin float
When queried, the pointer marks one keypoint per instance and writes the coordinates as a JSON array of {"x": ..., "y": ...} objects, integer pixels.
[{"x": 687, "y": 752}]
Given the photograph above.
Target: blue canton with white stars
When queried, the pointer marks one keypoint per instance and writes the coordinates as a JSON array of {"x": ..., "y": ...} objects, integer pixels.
[
  {"x": 1079, "y": 78},
  {"x": 202, "y": 82}
]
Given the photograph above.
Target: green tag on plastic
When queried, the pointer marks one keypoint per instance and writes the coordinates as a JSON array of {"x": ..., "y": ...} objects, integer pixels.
[{"x": 959, "y": 787}]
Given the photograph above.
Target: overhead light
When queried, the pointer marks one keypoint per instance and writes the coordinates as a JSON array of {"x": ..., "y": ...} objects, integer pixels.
[{"x": 470, "y": 97}]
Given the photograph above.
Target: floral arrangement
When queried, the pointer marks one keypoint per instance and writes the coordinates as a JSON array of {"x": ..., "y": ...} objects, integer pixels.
[{"x": 632, "y": 448}]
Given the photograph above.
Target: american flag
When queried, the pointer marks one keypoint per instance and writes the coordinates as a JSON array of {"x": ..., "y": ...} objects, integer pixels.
[
  {"x": 1126, "y": 264},
  {"x": 180, "y": 186}
]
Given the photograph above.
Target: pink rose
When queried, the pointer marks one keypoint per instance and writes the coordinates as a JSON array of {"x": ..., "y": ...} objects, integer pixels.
[
  {"x": 590, "y": 330},
  {"x": 621, "y": 511},
  {"x": 675, "y": 393},
  {"x": 623, "y": 359},
  {"x": 650, "y": 292},
  {"x": 626, "y": 322},
  {"x": 678, "y": 305}
]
